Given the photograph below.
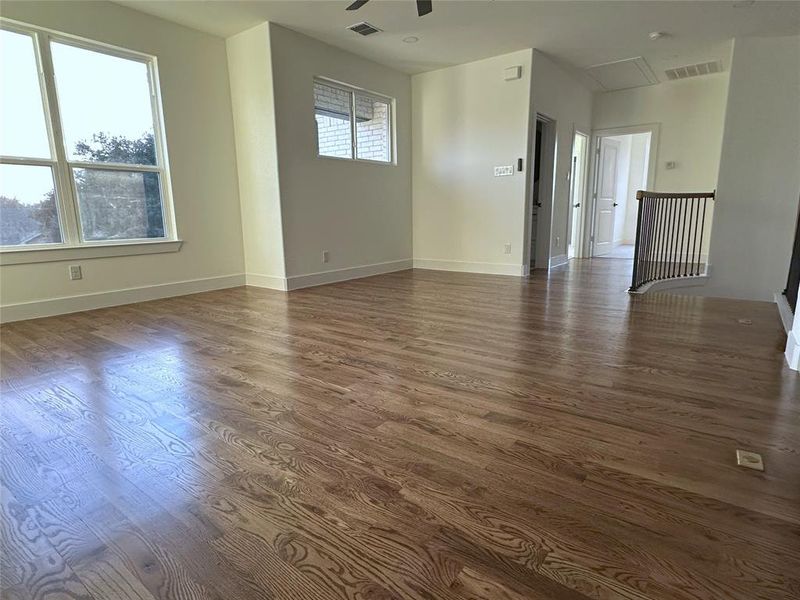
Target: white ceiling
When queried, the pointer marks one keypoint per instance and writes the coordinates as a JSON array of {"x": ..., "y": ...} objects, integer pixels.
[{"x": 575, "y": 33}]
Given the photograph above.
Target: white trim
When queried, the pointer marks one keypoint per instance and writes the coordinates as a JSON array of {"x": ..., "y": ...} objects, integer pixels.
[
  {"x": 670, "y": 284},
  {"x": 792, "y": 353},
  {"x": 71, "y": 304},
  {"x": 557, "y": 261},
  {"x": 470, "y": 267},
  {"x": 785, "y": 312},
  {"x": 296, "y": 282},
  {"x": 269, "y": 282},
  {"x": 28, "y": 255}
]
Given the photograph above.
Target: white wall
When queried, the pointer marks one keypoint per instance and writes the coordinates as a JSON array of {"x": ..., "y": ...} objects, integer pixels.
[
  {"x": 691, "y": 113},
  {"x": 466, "y": 121},
  {"x": 359, "y": 212},
  {"x": 200, "y": 140},
  {"x": 252, "y": 95},
  {"x": 637, "y": 180},
  {"x": 558, "y": 95},
  {"x": 759, "y": 173}
]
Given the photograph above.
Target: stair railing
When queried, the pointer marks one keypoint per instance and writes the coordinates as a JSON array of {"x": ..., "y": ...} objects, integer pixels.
[{"x": 669, "y": 236}]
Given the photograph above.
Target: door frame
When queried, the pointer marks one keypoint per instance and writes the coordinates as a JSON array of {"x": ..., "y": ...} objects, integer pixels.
[
  {"x": 579, "y": 245},
  {"x": 544, "y": 224},
  {"x": 654, "y": 129}
]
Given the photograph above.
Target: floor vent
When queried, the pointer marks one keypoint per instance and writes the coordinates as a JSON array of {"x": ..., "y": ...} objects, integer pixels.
[
  {"x": 706, "y": 68},
  {"x": 364, "y": 28}
]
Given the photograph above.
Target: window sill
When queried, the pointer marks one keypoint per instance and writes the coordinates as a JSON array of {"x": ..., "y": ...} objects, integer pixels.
[
  {"x": 381, "y": 163},
  {"x": 24, "y": 256}
]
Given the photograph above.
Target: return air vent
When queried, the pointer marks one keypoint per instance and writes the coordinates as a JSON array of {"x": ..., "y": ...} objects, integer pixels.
[
  {"x": 706, "y": 68},
  {"x": 364, "y": 28}
]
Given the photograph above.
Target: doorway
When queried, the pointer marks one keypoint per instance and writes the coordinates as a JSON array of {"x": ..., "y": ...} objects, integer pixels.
[
  {"x": 577, "y": 192},
  {"x": 541, "y": 207},
  {"x": 623, "y": 165}
]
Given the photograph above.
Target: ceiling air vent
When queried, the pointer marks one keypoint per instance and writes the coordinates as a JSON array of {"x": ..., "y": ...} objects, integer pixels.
[
  {"x": 364, "y": 28},
  {"x": 706, "y": 68}
]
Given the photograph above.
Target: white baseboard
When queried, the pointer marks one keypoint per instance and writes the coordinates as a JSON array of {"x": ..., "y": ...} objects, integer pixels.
[
  {"x": 296, "y": 282},
  {"x": 793, "y": 351},
  {"x": 678, "y": 283},
  {"x": 785, "y": 311},
  {"x": 557, "y": 261},
  {"x": 269, "y": 282},
  {"x": 470, "y": 267},
  {"x": 71, "y": 304}
]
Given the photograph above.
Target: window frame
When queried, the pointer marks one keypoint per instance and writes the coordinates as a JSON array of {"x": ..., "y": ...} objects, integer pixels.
[
  {"x": 65, "y": 186},
  {"x": 354, "y": 91}
]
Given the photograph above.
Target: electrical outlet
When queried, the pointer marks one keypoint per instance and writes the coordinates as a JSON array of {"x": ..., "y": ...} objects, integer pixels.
[
  {"x": 75, "y": 272},
  {"x": 325, "y": 256},
  {"x": 507, "y": 249},
  {"x": 504, "y": 171}
]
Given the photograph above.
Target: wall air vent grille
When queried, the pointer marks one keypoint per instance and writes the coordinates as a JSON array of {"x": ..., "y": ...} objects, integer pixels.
[
  {"x": 364, "y": 28},
  {"x": 706, "y": 68}
]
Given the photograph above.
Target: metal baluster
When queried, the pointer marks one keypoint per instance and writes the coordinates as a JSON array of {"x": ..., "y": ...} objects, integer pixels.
[
  {"x": 702, "y": 228},
  {"x": 684, "y": 238},
  {"x": 695, "y": 216},
  {"x": 636, "y": 247}
]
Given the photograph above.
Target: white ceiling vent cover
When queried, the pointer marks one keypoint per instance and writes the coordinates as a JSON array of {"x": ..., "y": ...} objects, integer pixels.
[
  {"x": 364, "y": 28},
  {"x": 706, "y": 68}
]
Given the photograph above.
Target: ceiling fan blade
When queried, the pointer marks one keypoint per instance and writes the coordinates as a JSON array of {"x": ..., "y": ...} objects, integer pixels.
[
  {"x": 357, "y": 4},
  {"x": 424, "y": 7}
]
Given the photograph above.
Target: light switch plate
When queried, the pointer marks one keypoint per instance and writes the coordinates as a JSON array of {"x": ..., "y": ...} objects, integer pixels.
[
  {"x": 750, "y": 460},
  {"x": 503, "y": 171}
]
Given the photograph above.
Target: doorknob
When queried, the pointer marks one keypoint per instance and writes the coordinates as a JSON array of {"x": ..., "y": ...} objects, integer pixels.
[
  {"x": 578, "y": 205},
  {"x": 615, "y": 204}
]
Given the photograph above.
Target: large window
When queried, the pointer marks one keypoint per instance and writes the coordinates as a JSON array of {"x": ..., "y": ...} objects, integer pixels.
[
  {"x": 82, "y": 160},
  {"x": 352, "y": 123}
]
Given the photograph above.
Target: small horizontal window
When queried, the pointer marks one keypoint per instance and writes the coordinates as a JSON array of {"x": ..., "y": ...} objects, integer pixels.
[{"x": 352, "y": 123}]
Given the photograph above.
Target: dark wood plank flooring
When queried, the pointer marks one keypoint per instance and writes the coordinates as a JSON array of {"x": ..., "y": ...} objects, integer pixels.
[{"x": 419, "y": 435}]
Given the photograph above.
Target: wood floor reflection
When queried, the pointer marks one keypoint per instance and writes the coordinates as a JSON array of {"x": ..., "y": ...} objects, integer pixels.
[{"x": 417, "y": 435}]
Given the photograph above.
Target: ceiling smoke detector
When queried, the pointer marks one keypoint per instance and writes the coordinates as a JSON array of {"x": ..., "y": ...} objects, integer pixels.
[
  {"x": 364, "y": 28},
  {"x": 706, "y": 68}
]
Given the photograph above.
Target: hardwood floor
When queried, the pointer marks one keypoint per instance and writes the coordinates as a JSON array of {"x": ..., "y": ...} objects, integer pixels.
[{"x": 418, "y": 435}]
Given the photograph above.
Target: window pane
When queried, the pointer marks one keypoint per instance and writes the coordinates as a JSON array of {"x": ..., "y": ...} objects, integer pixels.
[
  {"x": 119, "y": 205},
  {"x": 105, "y": 106},
  {"x": 28, "y": 213},
  {"x": 332, "y": 109},
  {"x": 372, "y": 129},
  {"x": 23, "y": 131}
]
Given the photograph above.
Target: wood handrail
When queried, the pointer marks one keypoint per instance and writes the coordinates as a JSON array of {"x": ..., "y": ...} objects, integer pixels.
[{"x": 643, "y": 193}]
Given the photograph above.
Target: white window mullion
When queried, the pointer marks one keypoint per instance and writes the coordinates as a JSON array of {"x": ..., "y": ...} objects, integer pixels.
[
  {"x": 65, "y": 188},
  {"x": 353, "y": 128}
]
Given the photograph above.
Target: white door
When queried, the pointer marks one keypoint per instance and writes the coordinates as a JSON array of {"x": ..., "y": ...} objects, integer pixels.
[
  {"x": 577, "y": 179},
  {"x": 605, "y": 204}
]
